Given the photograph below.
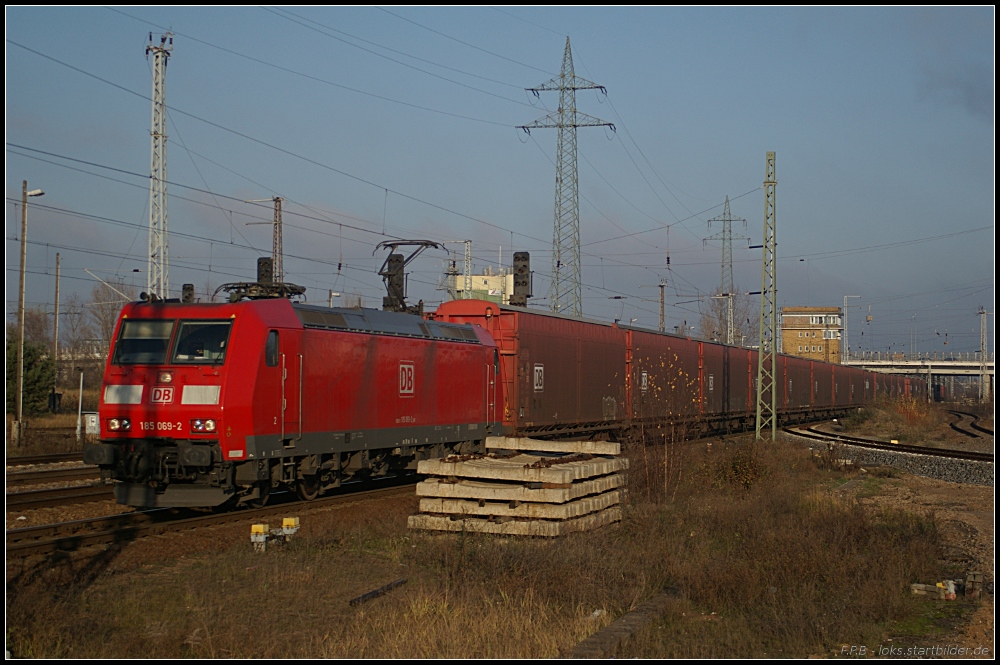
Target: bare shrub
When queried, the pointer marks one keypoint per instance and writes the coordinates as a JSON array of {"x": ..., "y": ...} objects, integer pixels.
[
  {"x": 905, "y": 420},
  {"x": 739, "y": 465}
]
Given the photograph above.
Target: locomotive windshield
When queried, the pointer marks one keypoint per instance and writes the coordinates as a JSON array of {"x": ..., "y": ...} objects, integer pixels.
[
  {"x": 143, "y": 342},
  {"x": 201, "y": 342}
]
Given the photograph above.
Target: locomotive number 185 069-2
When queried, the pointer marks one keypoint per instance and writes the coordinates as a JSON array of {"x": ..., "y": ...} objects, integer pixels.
[{"x": 160, "y": 426}]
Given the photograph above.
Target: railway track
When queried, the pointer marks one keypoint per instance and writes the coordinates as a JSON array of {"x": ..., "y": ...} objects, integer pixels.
[
  {"x": 126, "y": 527},
  {"x": 27, "y": 460},
  {"x": 828, "y": 437},
  {"x": 60, "y": 496},
  {"x": 970, "y": 420},
  {"x": 25, "y": 478}
]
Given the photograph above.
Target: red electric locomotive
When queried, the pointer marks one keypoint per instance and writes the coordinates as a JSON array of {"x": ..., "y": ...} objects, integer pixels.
[{"x": 205, "y": 404}]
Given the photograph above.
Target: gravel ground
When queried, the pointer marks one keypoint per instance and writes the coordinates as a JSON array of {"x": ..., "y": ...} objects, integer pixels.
[{"x": 80, "y": 511}]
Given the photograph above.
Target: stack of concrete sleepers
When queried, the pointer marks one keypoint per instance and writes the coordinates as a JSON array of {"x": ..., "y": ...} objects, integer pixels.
[{"x": 523, "y": 487}]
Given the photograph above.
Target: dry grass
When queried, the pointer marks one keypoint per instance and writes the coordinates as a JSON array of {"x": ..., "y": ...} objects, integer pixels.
[
  {"x": 39, "y": 440},
  {"x": 765, "y": 565},
  {"x": 769, "y": 567},
  {"x": 905, "y": 420}
]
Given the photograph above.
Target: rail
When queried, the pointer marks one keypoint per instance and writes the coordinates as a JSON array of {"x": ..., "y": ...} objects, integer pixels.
[
  {"x": 828, "y": 437},
  {"x": 66, "y": 537}
]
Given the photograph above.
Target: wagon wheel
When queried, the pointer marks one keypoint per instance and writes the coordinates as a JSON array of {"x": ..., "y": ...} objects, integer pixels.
[
  {"x": 307, "y": 487},
  {"x": 263, "y": 494}
]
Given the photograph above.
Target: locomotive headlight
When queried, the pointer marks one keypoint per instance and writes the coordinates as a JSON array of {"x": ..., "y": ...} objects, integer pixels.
[
  {"x": 165, "y": 377},
  {"x": 119, "y": 425},
  {"x": 203, "y": 425}
]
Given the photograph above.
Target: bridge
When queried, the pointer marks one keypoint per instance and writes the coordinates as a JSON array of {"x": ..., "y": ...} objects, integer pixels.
[
  {"x": 938, "y": 364},
  {"x": 930, "y": 366}
]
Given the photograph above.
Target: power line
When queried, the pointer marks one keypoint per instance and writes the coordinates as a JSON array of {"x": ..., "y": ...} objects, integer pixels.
[
  {"x": 650, "y": 165},
  {"x": 472, "y": 46},
  {"x": 285, "y": 151},
  {"x": 423, "y": 71},
  {"x": 680, "y": 221},
  {"x": 540, "y": 27},
  {"x": 318, "y": 79},
  {"x": 282, "y": 150},
  {"x": 183, "y": 186},
  {"x": 875, "y": 248}
]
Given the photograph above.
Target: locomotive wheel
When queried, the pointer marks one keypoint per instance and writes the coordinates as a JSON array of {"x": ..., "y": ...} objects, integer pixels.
[
  {"x": 263, "y": 494},
  {"x": 307, "y": 487}
]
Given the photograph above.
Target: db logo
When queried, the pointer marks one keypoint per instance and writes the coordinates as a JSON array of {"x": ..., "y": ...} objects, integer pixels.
[
  {"x": 539, "y": 378},
  {"x": 406, "y": 378},
  {"x": 162, "y": 395}
]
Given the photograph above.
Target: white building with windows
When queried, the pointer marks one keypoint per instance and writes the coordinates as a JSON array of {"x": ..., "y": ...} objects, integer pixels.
[{"x": 493, "y": 285}]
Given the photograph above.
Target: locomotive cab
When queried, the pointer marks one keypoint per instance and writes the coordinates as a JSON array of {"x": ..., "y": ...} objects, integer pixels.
[{"x": 161, "y": 409}]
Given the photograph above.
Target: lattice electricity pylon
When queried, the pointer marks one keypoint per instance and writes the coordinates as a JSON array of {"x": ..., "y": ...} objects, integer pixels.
[
  {"x": 157, "y": 272},
  {"x": 726, "y": 235},
  {"x": 767, "y": 400},
  {"x": 727, "y": 261},
  {"x": 566, "y": 292}
]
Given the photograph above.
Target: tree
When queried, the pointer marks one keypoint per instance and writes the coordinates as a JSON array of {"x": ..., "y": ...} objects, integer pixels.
[
  {"x": 713, "y": 322},
  {"x": 37, "y": 327},
  {"x": 209, "y": 291},
  {"x": 39, "y": 373},
  {"x": 105, "y": 306},
  {"x": 76, "y": 329},
  {"x": 76, "y": 342}
]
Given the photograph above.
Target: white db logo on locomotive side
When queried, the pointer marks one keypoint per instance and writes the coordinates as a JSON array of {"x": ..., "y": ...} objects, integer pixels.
[
  {"x": 406, "y": 378},
  {"x": 539, "y": 378},
  {"x": 161, "y": 395}
]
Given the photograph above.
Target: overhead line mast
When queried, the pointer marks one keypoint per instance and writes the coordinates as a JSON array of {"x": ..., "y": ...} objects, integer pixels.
[
  {"x": 767, "y": 400},
  {"x": 277, "y": 251},
  {"x": 157, "y": 273},
  {"x": 566, "y": 291},
  {"x": 984, "y": 376}
]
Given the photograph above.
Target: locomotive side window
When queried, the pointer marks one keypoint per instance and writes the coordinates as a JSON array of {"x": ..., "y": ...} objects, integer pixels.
[
  {"x": 201, "y": 342},
  {"x": 143, "y": 342},
  {"x": 271, "y": 349}
]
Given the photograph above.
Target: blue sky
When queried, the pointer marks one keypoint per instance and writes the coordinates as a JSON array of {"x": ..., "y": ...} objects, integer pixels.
[{"x": 379, "y": 123}]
